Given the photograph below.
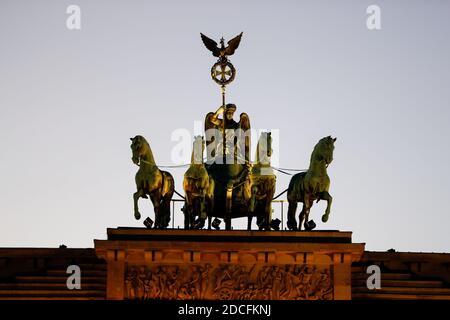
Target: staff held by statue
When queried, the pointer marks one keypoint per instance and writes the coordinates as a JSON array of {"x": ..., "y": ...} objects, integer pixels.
[{"x": 222, "y": 72}]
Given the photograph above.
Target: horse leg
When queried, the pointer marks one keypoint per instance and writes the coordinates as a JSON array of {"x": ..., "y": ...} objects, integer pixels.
[
  {"x": 200, "y": 222},
  {"x": 268, "y": 214},
  {"x": 307, "y": 207},
  {"x": 209, "y": 210},
  {"x": 167, "y": 190},
  {"x": 186, "y": 217},
  {"x": 260, "y": 214},
  {"x": 203, "y": 205},
  {"x": 209, "y": 222},
  {"x": 254, "y": 191},
  {"x": 329, "y": 199},
  {"x": 136, "y": 197},
  {"x": 251, "y": 197},
  {"x": 155, "y": 197},
  {"x": 187, "y": 212},
  {"x": 227, "y": 221},
  {"x": 301, "y": 217},
  {"x": 292, "y": 223},
  {"x": 210, "y": 201}
]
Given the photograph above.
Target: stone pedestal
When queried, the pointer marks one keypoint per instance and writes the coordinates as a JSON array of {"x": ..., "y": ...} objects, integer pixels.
[{"x": 202, "y": 264}]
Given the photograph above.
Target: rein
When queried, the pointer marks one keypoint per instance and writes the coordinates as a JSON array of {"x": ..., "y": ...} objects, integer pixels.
[
  {"x": 147, "y": 162},
  {"x": 281, "y": 170}
]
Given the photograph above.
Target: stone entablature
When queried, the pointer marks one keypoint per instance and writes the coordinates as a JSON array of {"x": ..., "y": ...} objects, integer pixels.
[{"x": 202, "y": 264}]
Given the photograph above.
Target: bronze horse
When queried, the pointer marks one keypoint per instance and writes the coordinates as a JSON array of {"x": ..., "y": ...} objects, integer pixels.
[
  {"x": 262, "y": 183},
  {"x": 151, "y": 181},
  {"x": 198, "y": 186},
  {"x": 311, "y": 185}
]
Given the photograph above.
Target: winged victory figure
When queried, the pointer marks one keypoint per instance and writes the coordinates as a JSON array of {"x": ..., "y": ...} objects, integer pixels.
[{"x": 241, "y": 146}]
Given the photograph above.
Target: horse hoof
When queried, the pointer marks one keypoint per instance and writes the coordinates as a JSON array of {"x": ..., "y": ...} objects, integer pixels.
[
  {"x": 325, "y": 218},
  {"x": 137, "y": 215},
  {"x": 292, "y": 225},
  {"x": 309, "y": 225},
  {"x": 199, "y": 224}
]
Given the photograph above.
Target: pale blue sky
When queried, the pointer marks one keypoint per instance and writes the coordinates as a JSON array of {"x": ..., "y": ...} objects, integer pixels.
[{"x": 70, "y": 100}]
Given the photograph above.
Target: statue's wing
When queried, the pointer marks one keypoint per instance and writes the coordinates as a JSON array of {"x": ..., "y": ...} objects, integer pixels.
[
  {"x": 244, "y": 121},
  {"x": 210, "y": 144},
  {"x": 211, "y": 45},
  {"x": 244, "y": 124},
  {"x": 208, "y": 123},
  {"x": 233, "y": 44}
]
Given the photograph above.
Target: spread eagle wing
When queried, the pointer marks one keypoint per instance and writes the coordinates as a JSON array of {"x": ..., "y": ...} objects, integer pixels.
[
  {"x": 211, "y": 45},
  {"x": 244, "y": 123},
  {"x": 233, "y": 44}
]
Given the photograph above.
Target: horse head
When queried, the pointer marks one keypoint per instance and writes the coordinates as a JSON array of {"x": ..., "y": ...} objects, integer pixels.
[
  {"x": 324, "y": 150},
  {"x": 198, "y": 148},
  {"x": 140, "y": 148},
  {"x": 264, "y": 148},
  {"x": 269, "y": 143}
]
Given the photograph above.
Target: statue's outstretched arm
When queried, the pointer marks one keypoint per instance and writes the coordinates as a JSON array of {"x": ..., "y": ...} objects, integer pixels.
[{"x": 215, "y": 118}]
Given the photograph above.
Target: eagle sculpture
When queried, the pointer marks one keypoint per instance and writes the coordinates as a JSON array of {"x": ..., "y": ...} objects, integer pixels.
[{"x": 222, "y": 52}]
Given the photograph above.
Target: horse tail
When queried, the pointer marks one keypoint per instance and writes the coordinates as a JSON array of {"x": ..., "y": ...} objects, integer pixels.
[{"x": 168, "y": 189}]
